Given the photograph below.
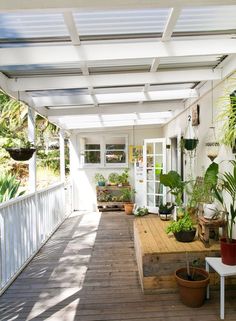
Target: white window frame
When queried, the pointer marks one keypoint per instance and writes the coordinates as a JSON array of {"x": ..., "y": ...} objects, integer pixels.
[{"x": 101, "y": 140}]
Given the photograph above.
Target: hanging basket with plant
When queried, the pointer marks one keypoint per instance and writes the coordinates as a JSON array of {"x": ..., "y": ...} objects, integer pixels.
[{"x": 20, "y": 149}]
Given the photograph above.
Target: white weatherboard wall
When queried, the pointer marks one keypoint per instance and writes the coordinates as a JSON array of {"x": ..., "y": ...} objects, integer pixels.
[
  {"x": 84, "y": 186},
  {"x": 177, "y": 125}
]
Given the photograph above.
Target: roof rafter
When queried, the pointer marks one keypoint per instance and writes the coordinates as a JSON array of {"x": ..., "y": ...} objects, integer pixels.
[
  {"x": 122, "y": 79},
  {"x": 114, "y": 51},
  {"x": 111, "y": 109},
  {"x": 171, "y": 22}
]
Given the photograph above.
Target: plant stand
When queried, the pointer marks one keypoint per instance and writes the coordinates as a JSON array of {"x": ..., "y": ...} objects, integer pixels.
[{"x": 205, "y": 226}]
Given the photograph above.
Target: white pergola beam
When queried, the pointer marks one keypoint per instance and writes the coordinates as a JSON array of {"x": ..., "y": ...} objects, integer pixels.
[
  {"x": 59, "y": 5},
  {"x": 57, "y": 54},
  {"x": 171, "y": 22},
  {"x": 111, "y": 109},
  {"x": 123, "y": 79},
  {"x": 71, "y": 26}
]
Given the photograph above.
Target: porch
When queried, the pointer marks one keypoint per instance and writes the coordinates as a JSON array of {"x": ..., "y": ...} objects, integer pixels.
[{"x": 87, "y": 271}]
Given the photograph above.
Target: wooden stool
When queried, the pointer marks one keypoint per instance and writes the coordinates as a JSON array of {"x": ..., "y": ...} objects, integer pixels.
[{"x": 206, "y": 226}]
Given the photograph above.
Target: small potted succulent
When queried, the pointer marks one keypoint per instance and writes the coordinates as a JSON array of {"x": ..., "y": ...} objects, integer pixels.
[
  {"x": 100, "y": 179},
  {"x": 113, "y": 178}
]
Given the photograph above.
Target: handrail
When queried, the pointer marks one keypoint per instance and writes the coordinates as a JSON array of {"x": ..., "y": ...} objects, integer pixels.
[{"x": 23, "y": 197}]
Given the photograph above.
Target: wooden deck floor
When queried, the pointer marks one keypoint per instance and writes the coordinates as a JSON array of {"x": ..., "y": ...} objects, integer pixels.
[{"x": 87, "y": 272}]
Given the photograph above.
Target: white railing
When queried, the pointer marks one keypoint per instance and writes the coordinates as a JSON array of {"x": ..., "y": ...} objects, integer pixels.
[{"x": 26, "y": 223}]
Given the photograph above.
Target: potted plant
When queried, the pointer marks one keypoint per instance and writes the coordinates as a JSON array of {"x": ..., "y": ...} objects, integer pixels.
[
  {"x": 192, "y": 283},
  {"x": 227, "y": 115},
  {"x": 183, "y": 229},
  {"x": 141, "y": 211},
  {"x": 173, "y": 180},
  {"x": 165, "y": 211},
  {"x": 20, "y": 149},
  {"x": 113, "y": 178},
  {"x": 208, "y": 191},
  {"x": 127, "y": 196},
  {"x": 225, "y": 193},
  {"x": 189, "y": 143},
  {"x": 100, "y": 179},
  {"x": 123, "y": 179}
]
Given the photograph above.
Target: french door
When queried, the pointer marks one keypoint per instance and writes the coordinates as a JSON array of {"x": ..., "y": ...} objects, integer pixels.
[{"x": 154, "y": 164}]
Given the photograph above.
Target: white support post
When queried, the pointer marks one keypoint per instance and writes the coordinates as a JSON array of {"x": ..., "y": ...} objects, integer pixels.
[
  {"x": 32, "y": 161},
  {"x": 62, "y": 156}
]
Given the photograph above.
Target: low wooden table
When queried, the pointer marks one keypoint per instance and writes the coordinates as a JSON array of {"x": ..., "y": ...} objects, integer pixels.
[
  {"x": 205, "y": 226},
  {"x": 159, "y": 255}
]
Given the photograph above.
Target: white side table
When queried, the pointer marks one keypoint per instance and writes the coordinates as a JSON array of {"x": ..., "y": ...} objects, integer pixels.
[{"x": 223, "y": 270}]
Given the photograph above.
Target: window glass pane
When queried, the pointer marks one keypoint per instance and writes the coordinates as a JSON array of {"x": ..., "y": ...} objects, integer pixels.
[
  {"x": 115, "y": 157},
  {"x": 150, "y": 200},
  {"x": 92, "y": 157},
  {"x": 158, "y": 148},
  {"x": 149, "y": 161},
  {"x": 115, "y": 146},
  {"x": 159, "y": 188},
  {"x": 92, "y": 147},
  {"x": 115, "y": 150},
  {"x": 150, "y": 176},
  {"x": 150, "y": 148},
  {"x": 158, "y": 200},
  {"x": 150, "y": 187}
]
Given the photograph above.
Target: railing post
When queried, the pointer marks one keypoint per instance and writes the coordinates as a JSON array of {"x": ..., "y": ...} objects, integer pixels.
[
  {"x": 32, "y": 171},
  {"x": 62, "y": 156}
]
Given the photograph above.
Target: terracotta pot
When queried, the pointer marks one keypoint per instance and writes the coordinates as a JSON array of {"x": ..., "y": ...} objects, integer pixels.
[
  {"x": 185, "y": 236},
  {"x": 192, "y": 293},
  {"x": 228, "y": 252},
  {"x": 129, "y": 208}
]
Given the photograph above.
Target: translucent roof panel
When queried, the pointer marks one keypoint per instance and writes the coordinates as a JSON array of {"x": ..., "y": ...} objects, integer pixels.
[
  {"x": 33, "y": 25},
  {"x": 120, "y": 22},
  {"x": 41, "y": 69},
  {"x": 206, "y": 19}
]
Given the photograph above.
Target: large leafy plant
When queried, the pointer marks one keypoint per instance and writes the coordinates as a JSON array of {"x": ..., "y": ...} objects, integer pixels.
[{"x": 173, "y": 180}]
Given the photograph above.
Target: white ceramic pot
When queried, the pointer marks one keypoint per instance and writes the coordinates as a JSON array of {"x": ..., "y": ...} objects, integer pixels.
[{"x": 209, "y": 210}]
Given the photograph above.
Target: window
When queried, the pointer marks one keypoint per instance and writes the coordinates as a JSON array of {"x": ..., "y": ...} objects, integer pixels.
[
  {"x": 92, "y": 154},
  {"x": 90, "y": 151},
  {"x": 104, "y": 151},
  {"x": 115, "y": 150}
]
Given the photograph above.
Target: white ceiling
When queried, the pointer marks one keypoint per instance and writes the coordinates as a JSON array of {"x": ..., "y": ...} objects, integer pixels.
[{"x": 95, "y": 64}]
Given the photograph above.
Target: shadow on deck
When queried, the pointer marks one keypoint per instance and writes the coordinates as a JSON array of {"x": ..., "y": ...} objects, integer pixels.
[{"x": 87, "y": 271}]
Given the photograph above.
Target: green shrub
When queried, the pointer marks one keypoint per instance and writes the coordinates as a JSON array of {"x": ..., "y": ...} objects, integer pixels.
[{"x": 9, "y": 187}]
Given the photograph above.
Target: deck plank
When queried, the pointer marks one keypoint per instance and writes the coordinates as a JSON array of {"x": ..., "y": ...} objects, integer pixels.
[{"x": 87, "y": 272}]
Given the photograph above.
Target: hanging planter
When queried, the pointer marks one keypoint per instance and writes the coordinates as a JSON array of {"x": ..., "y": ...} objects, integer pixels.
[
  {"x": 21, "y": 154},
  {"x": 190, "y": 141}
]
